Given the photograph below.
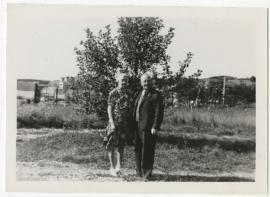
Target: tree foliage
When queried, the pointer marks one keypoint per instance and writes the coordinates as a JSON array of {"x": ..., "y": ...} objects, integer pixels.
[
  {"x": 98, "y": 62},
  {"x": 241, "y": 93},
  {"x": 141, "y": 43}
]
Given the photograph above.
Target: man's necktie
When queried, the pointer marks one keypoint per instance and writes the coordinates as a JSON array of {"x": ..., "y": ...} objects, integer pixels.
[{"x": 139, "y": 103}]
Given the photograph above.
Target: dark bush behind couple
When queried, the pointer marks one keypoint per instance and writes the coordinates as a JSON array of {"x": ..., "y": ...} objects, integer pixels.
[{"x": 134, "y": 120}]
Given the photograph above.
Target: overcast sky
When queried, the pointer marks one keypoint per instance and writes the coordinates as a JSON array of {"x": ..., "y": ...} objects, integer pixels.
[{"x": 41, "y": 39}]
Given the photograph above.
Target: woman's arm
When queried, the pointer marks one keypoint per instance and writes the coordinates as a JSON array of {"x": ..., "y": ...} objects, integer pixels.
[{"x": 111, "y": 117}]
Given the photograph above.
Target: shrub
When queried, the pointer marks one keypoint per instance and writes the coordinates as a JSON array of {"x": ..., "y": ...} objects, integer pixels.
[
  {"x": 55, "y": 116},
  {"x": 234, "y": 118}
]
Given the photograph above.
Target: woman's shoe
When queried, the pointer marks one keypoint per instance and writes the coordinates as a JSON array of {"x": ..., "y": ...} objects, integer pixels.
[
  {"x": 113, "y": 172},
  {"x": 117, "y": 171}
]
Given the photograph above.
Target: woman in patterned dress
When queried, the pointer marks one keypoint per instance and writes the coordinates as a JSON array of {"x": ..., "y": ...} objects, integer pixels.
[{"x": 119, "y": 128}]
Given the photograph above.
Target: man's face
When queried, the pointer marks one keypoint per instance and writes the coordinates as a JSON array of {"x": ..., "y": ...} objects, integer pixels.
[
  {"x": 154, "y": 83},
  {"x": 123, "y": 82},
  {"x": 145, "y": 82}
]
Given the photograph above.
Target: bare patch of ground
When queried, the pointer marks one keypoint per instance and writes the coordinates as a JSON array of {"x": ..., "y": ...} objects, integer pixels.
[{"x": 58, "y": 171}]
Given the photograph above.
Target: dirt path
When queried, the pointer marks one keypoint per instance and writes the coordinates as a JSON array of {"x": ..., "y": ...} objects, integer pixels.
[
  {"x": 27, "y": 134},
  {"x": 58, "y": 171}
]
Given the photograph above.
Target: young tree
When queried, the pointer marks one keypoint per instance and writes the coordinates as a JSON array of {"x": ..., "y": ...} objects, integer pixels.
[
  {"x": 138, "y": 47},
  {"x": 37, "y": 93},
  {"x": 185, "y": 88},
  {"x": 188, "y": 88},
  {"x": 253, "y": 78}
]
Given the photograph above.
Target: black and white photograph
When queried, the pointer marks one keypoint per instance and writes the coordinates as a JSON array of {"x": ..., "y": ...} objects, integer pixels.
[{"x": 148, "y": 95}]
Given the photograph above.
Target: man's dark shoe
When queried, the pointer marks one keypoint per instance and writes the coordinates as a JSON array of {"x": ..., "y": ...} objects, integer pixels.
[
  {"x": 139, "y": 174},
  {"x": 147, "y": 175}
]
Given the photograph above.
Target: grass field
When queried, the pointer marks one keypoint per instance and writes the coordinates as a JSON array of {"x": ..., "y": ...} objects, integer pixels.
[
  {"x": 232, "y": 121},
  {"x": 55, "y": 116},
  {"x": 218, "y": 145},
  {"x": 85, "y": 148}
]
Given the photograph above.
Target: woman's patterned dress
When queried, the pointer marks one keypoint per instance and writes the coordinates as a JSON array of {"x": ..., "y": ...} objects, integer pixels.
[{"x": 121, "y": 102}]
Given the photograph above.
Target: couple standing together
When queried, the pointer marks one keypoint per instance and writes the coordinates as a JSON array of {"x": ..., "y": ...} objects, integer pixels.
[{"x": 134, "y": 120}]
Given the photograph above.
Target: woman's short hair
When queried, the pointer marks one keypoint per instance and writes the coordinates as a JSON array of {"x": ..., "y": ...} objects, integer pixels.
[{"x": 120, "y": 76}]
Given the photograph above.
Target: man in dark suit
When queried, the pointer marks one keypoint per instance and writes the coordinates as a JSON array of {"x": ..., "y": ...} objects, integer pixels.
[{"x": 148, "y": 114}]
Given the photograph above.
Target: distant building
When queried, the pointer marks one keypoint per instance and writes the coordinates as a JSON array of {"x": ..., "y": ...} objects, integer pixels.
[
  {"x": 47, "y": 93},
  {"x": 67, "y": 89},
  {"x": 49, "y": 90}
]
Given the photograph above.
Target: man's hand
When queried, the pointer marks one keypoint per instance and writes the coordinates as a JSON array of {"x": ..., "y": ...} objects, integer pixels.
[
  {"x": 112, "y": 127},
  {"x": 154, "y": 131}
]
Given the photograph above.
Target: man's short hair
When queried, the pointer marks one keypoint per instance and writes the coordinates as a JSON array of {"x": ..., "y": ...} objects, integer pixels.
[
  {"x": 152, "y": 74},
  {"x": 145, "y": 75}
]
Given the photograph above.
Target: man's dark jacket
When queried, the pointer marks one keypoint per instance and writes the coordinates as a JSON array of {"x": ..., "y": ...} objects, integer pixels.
[{"x": 150, "y": 116}]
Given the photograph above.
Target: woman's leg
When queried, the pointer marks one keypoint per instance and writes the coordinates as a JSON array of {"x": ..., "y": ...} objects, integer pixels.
[
  {"x": 119, "y": 158},
  {"x": 111, "y": 158}
]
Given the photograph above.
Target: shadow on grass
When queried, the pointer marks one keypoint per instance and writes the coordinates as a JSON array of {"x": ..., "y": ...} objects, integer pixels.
[
  {"x": 234, "y": 144},
  {"x": 190, "y": 178}
]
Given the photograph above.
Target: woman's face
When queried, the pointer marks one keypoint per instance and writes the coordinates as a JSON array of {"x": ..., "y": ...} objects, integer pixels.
[{"x": 123, "y": 82}]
